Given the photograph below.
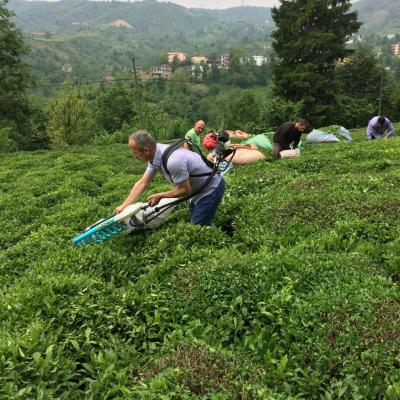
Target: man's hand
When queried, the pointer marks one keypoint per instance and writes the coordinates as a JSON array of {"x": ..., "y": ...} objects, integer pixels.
[
  {"x": 154, "y": 199},
  {"x": 119, "y": 209}
]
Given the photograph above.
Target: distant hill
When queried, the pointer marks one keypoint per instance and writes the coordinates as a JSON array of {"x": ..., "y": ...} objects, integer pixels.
[
  {"x": 381, "y": 16},
  {"x": 144, "y": 15},
  {"x": 161, "y": 19},
  {"x": 257, "y": 15},
  {"x": 147, "y": 16},
  {"x": 83, "y": 34},
  {"x": 77, "y": 33}
]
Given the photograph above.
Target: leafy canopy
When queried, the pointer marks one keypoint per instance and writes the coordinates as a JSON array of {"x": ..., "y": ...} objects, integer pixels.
[
  {"x": 14, "y": 76},
  {"x": 310, "y": 37}
]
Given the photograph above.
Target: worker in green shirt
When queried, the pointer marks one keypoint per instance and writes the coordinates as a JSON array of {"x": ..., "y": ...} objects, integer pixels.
[{"x": 193, "y": 135}]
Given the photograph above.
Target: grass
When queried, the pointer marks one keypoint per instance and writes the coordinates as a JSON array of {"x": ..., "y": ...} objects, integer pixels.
[{"x": 300, "y": 301}]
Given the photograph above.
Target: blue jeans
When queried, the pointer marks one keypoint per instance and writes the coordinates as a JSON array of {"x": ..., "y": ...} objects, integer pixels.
[{"x": 204, "y": 210}]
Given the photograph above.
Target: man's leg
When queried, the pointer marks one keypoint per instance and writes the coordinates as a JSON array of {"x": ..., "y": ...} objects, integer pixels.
[
  {"x": 278, "y": 147},
  {"x": 202, "y": 213},
  {"x": 277, "y": 150}
]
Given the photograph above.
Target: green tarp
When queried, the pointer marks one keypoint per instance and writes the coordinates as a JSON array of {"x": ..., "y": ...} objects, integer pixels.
[{"x": 261, "y": 141}]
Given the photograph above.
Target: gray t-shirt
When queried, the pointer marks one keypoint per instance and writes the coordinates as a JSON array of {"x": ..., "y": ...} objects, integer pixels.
[{"x": 181, "y": 164}]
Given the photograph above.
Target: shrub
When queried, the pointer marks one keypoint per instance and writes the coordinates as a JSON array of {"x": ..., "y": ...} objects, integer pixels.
[{"x": 7, "y": 145}]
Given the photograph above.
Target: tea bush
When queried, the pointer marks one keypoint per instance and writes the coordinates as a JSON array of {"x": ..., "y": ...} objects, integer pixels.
[{"x": 297, "y": 296}]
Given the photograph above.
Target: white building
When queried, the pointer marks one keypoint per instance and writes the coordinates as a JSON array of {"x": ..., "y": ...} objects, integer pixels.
[
  {"x": 197, "y": 71},
  {"x": 66, "y": 68},
  {"x": 395, "y": 49},
  {"x": 224, "y": 63},
  {"x": 260, "y": 60}
]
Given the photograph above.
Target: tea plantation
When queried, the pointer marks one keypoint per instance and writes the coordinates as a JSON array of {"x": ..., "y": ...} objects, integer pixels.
[{"x": 297, "y": 298}]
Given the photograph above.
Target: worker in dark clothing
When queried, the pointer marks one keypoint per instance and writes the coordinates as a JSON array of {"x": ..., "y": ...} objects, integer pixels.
[{"x": 288, "y": 133}]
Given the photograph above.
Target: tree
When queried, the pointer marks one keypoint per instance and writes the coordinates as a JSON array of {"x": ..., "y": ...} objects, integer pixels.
[
  {"x": 38, "y": 137},
  {"x": 276, "y": 110},
  {"x": 363, "y": 84},
  {"x": 235, "y": 61},
  {"x": 244, "y": 112},
  {"x": 114, "y": 107},
  {"x": 6, "y": 143},
  {"x": 360, "y": 77},
  {"x": 69, "y": 119},
  {"x": 14, "y": 79},
  {"x": 310, "y": 37}
]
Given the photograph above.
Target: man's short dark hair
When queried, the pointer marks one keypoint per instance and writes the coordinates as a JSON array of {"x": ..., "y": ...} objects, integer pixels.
[
  {"x": 381, "y": 120},
  {"x": 143, "y": 139},
  {"x": 306, "y": 124}
]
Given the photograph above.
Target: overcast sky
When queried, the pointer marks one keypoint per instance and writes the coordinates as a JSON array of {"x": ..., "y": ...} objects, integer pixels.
[
  {"x": 225, "y": 3},
  {"x": 221, "y": 3},
  {"x": 217, "y": 3}
]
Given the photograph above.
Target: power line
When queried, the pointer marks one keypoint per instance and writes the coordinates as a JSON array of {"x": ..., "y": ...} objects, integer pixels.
[
  {"x": 116, "y": 80},
  {"x": 80, "y": 83}
]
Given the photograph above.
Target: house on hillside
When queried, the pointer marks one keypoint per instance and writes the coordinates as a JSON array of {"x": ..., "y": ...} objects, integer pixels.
[
  {"x": 80, "y": 24},
  {"x": 198, "y": 59},
  {"x": 121, "y": 23},
  {"x": 224, "y": 63},
  {"x": 197, "y": 71},
  {"x": 108, "y": 78},
  {"x": 343, "y": 61},
  {"x": 356, "y": 39},
  {"x": 260, "y": 60},
  {"x": 213, "y": 63},
  {"x": 66, "y": 68},
  {"x": 172, "y": 55},
  {"x": 142, "y": 73},
  {"x": 395, "y": 49},
  {"x": 163, "y": 71}
]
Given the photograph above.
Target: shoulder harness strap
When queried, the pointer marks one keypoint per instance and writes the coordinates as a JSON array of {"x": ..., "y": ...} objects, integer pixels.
[{"x": 175, "y": 146}]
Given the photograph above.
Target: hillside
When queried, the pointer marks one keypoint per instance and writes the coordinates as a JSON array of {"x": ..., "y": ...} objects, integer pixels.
[
  {"x": 154, "y": 17},
  {"x": 301, "y": 301},
  {"x": 78, "y": 33},
  {"x": 381, "y": 17},
  {"x": 256, "y": 15},
  {"x": 147, "y": 16}
]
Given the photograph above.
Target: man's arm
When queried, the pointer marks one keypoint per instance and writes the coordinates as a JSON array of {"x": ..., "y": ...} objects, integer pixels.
[
  {"x": 277, "y": 135},
  {"x": 390, "y": 128},
  {"x": 370, "y": 134},
  {"x": 180, "y": 190},
  {"x": 137, "y": 190},
  {"x": 296, "y": 143}
]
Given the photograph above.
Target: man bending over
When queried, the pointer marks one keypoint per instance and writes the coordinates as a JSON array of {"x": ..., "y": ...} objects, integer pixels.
[
  {"x": 377, "y": 127},
  {"x": 289, "y": 133},
  {"x": 185, "y": 170}
]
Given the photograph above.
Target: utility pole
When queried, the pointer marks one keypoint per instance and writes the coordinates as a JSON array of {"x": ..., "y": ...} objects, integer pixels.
[
  {"x": 380, "y": 94},
  {"x": 138, "y": 94}
]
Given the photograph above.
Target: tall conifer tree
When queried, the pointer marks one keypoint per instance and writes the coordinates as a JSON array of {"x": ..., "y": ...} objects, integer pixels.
[
  {"x": 311, "y": 36},
  {"x": 14, "y": 78}
]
